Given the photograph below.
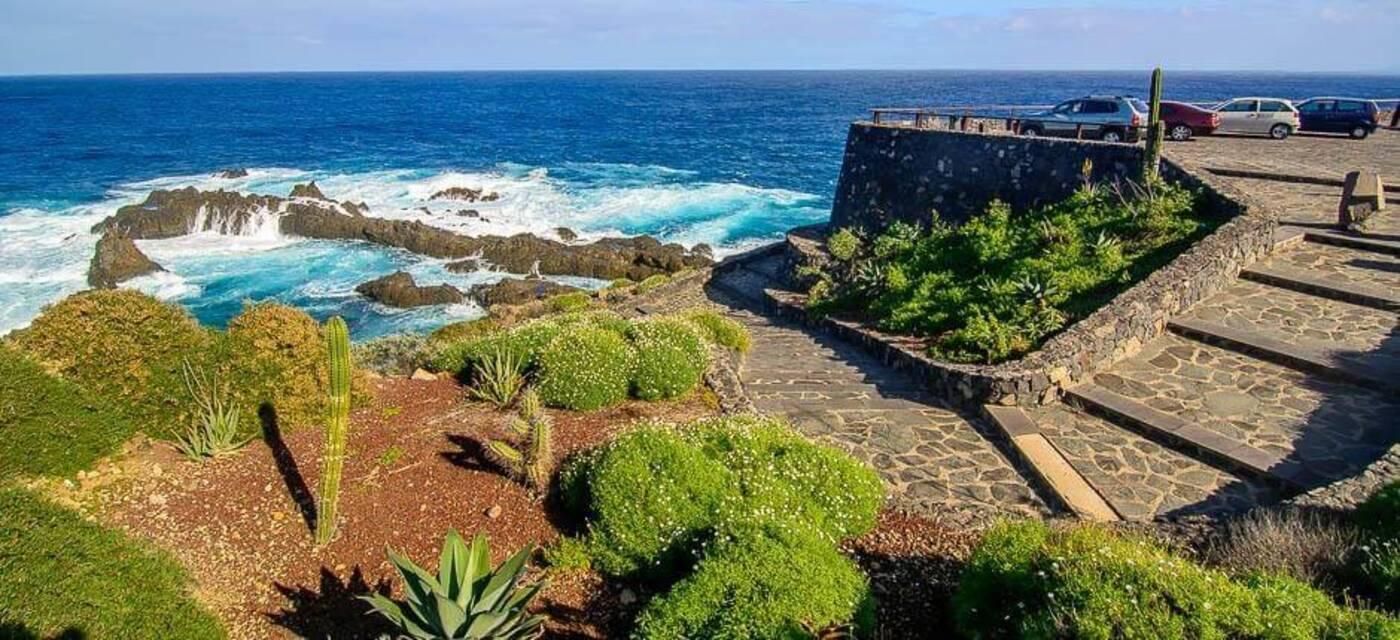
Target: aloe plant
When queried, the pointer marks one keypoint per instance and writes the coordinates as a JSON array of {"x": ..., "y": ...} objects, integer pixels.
[
  {"x": 528, "y": 457},
  {"x": 498, "y": 377},
  {"x": 337, "y": 426},
  {"x": 467, "y": 599},
  {"x": 216, "y": 432}
]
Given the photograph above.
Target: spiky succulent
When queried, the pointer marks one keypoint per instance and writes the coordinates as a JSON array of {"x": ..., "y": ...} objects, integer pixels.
[
  {"x": 528, "y": 456},
  {"x": 466, "y": 600}
]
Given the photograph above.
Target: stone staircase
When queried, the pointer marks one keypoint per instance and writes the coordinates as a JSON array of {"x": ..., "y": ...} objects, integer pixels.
[{"x": 1286, "y": 381}]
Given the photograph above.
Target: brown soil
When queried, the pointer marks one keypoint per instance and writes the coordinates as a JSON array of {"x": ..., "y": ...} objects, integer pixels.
[
  {"x": 913, "y": 564},
  {"x": 241, "y": 524}
]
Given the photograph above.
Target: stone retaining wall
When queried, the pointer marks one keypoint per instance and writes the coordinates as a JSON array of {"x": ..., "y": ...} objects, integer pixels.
[
  {"x": 1117, "y": 330},
  {"x": 894, "y": 173}
]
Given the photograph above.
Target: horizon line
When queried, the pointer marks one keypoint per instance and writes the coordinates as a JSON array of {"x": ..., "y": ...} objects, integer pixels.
[{"x": 113, "y": 74}]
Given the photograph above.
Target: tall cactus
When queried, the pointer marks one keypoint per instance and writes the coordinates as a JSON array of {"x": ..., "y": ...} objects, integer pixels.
[
  {"x": 337, "y": 426},
  {"x": 1152, "y": 159}
]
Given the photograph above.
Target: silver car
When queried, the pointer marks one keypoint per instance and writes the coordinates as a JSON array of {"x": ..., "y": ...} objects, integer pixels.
[
  {"x": 1274, "y": 117},
  {"x": 1108, "y": 118}
]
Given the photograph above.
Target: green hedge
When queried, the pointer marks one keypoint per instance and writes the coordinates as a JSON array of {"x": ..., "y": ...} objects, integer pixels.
[
  {"x": 584, "y": 368},
  {"x": 1028, "y": 581},
  {"x": 671, "y": 359},
  {"x": 60, "y": 573}
]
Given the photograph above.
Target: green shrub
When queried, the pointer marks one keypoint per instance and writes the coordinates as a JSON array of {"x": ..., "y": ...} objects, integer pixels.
[
  {"x": 573, "y": 301},
  {"x": 584, "y": 368},
  {"x": 786, "y": 480},
  {"x": 396, "y": 355},
  {"x": 1378, "y": 560},
  {"x": 278, "y": 357},
  {"x": 1000, "y": 284},
  {"x": 125, "y": 346},
  {"x": 1027, "y": 581},
  {"x": 652, "y": 500},
  {"x": 49, "y": 426},
  {"x": 497, "y": 378},
  {"x": 718, "y": 329},
  {"x": 761, "y": 586},
  {"x": 651, "y": 283},
  {"x": 60, "y": 572},
  {"x": 465, "y": 330},
  {"x": 671, "y": 359},
  {"x": 523, "y": 342},
  {"x": 601, "y": 319}
]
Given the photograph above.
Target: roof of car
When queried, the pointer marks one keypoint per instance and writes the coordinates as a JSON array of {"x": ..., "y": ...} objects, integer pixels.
[
  {"x": 1259, "y": 98},
  {"x": 1336, "y": 98}
]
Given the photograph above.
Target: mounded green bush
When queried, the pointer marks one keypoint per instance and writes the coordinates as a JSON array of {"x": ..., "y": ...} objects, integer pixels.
[
  {"x": 278, "y": 359},
  {"x": 524, "y": 342},
  {"x": 718, "y": 329},
  {"x": 1378, "y": 561},
  {"x": 787, "y": 481},
  {"x": 125, "y": 346},
  {"x": 584, "y": 368},
  {"x": 465, "y": 330},
  {"x": 671, "y": 359},
  {"x": 49, "y": 426},
  {"x": 568, "y": 302},
  {"x": 609, "y": 320},
  {"x": 651, "y": 500},
  {"x": 761, "y": 586},
  {"x": 1027, "y": 581},
  {"x": 651, "y": 283}
]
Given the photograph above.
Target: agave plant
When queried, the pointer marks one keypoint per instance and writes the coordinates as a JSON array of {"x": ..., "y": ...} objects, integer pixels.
[
  {"x": 467, "y": 599},
  {"x": 498, "y": 377},
  {"x": 216, "y": 432}
]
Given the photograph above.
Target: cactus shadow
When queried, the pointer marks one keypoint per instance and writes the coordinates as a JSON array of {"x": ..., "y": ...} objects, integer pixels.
[
  {"x": 287, "y": 466},
  {"x": 469, "y": 454},
  {"x": 19, "y": 631},
  {"x": 333, "y": 608}
]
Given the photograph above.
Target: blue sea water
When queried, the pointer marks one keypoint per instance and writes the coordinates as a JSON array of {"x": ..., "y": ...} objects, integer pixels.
[{"x": 727, "y": 158}]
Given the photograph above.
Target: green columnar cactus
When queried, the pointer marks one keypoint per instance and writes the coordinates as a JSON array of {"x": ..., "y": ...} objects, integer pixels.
[
  {"x": 1152, "y": 160},
  {"x": 337, "y": 426}
]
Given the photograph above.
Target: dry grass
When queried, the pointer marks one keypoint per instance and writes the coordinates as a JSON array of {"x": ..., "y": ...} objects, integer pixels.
[{"x": 1306, "y": 545}]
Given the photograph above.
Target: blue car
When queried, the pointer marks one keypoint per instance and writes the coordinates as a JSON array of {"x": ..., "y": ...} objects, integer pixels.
[{"x": 1352, "y": 116}]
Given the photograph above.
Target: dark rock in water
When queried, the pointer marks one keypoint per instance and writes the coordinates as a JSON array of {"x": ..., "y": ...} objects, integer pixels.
[
  {"x": 229, "y": 174},
  {"x": 566, "y": 234},
  {"x": 355, "y": 208},
  {"x": 469, "y": 213},
  {"x": 308, "y": 191},
  {"x": 170, "y": 214},
  {"x": 116, "y": 260},
  {"x": 705, "y": 250},
  {"x": 466, "y": 194},
  {"x": 516, "y": 291},
  {"x": 399, "y": 290}
]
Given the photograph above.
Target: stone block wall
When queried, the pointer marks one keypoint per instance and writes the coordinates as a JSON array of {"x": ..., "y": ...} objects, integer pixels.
[{"x": 894, "y": 173}]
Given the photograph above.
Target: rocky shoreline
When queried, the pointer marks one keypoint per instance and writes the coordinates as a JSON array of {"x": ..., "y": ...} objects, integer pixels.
[
  {"x": 309, "y": 214},
  {"x": 398, "y": 289}
]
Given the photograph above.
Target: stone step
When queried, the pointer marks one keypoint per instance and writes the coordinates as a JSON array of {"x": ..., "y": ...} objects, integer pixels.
[
  {"x": 1340, "y": 264},
  {"x": 1298, "y": 280},
  {"x": 1362, "y": 242},
  {"x": 1276, "y": 348},
  {"x": 1138, "y": 478},
  {"x": 1052, "y": 469},
  {"x": 1199, "y": 442},
  {"x": 874, "y": 403}
]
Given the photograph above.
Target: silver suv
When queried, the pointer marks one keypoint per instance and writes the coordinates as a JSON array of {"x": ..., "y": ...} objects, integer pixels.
[{"x": 1108, "y": 118}]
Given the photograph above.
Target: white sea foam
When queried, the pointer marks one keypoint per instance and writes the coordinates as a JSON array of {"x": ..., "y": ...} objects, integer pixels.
[{"x": 46, "y": 253}]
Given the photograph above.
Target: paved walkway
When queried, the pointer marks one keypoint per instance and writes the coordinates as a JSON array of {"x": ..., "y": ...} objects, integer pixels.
[{"x": 934, "y": 460}]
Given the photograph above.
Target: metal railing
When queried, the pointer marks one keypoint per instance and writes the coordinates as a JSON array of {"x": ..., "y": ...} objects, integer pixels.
[{"x": 944, "y": 118}]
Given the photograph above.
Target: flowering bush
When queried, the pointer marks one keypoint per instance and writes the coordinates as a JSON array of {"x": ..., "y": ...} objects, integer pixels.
[
  {"x": 1027, "y": 581},
  {"x": 761, "y": 585},
  {"x": 671, "y": 358},
  {"x": 717, "y": 329},
  {"x": 584, "y": 368}
]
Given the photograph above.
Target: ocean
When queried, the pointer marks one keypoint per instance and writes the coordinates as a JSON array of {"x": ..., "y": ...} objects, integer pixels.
[{"x": 726, "y": 158}]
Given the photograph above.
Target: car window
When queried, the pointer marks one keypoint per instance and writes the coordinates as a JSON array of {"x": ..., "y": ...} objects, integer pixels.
[
  {"x": 1139, "y": 105},
  {"x": 1316, "y": 106},
  {"x": 1350, "y": 106},
  {"x": 1240, "y": 106},
  {"x": 1168, "y": 110},
  {"x": 1273, "y": 106},
  {"x": 1066, "y": 107},
  {"x": 1100, "y": 106}
]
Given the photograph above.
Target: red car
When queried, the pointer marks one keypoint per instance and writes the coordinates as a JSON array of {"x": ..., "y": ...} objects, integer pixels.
[{"x": 1185, "y": 120}]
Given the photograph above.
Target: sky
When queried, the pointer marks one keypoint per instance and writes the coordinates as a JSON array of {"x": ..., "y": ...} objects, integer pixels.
[{"x": 149, "y": 36}]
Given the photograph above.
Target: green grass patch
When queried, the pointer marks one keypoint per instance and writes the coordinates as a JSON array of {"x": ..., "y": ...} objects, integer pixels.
[
  {"x": 49, "y": 426},
  {"x": 60, "y": 573}
]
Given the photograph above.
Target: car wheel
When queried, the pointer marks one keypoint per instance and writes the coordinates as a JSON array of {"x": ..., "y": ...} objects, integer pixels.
[
  {"x": 1360, "y": 132},
  {"x": 1280, "y": 131},
  {"x": 1112, "y": 135},
  {"x": 1180, "y": 133},
  {"x": 1031, "y": 132}
]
